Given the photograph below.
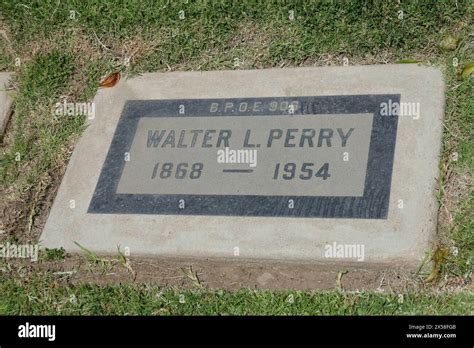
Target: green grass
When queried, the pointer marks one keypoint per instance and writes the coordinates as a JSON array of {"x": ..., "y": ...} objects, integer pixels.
[
  {"x": 40, "y": 297},
  {"x": 66, "y": 58}
]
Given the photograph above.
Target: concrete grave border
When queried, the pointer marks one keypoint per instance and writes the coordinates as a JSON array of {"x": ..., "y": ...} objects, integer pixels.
[
  {"x": 6, "y": 102},
  {"x": 403, "y": 238}
]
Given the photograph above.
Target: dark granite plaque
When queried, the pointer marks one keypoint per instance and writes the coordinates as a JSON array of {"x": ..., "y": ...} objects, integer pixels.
[{"x": 328, "y": 157}]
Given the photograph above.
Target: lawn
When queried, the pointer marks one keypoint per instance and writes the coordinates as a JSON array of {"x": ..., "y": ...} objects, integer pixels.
[{"x": 60, "y": 50}]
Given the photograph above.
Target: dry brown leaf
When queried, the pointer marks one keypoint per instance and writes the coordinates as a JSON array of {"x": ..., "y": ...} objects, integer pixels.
[{"x": 110, "y": 80}]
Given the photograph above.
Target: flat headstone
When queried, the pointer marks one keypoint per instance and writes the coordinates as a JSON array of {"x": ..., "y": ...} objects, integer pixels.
[
  {"x": 337, "y": 157},
  {"x": 5, "y": 101}
]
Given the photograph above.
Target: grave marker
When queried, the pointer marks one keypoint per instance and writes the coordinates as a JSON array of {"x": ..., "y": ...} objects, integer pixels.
[
  {"x": 5, "y": 101},
  {"x": 281, "y": 164}
]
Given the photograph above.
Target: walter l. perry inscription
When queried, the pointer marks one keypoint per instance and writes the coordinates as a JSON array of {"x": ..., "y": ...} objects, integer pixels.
[{"x": 325, "y": 156}]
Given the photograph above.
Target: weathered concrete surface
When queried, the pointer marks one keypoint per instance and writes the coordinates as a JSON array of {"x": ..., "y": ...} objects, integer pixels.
[
  {"x": 5, "y": 101},
  {"x": 402, "y": 238}
]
